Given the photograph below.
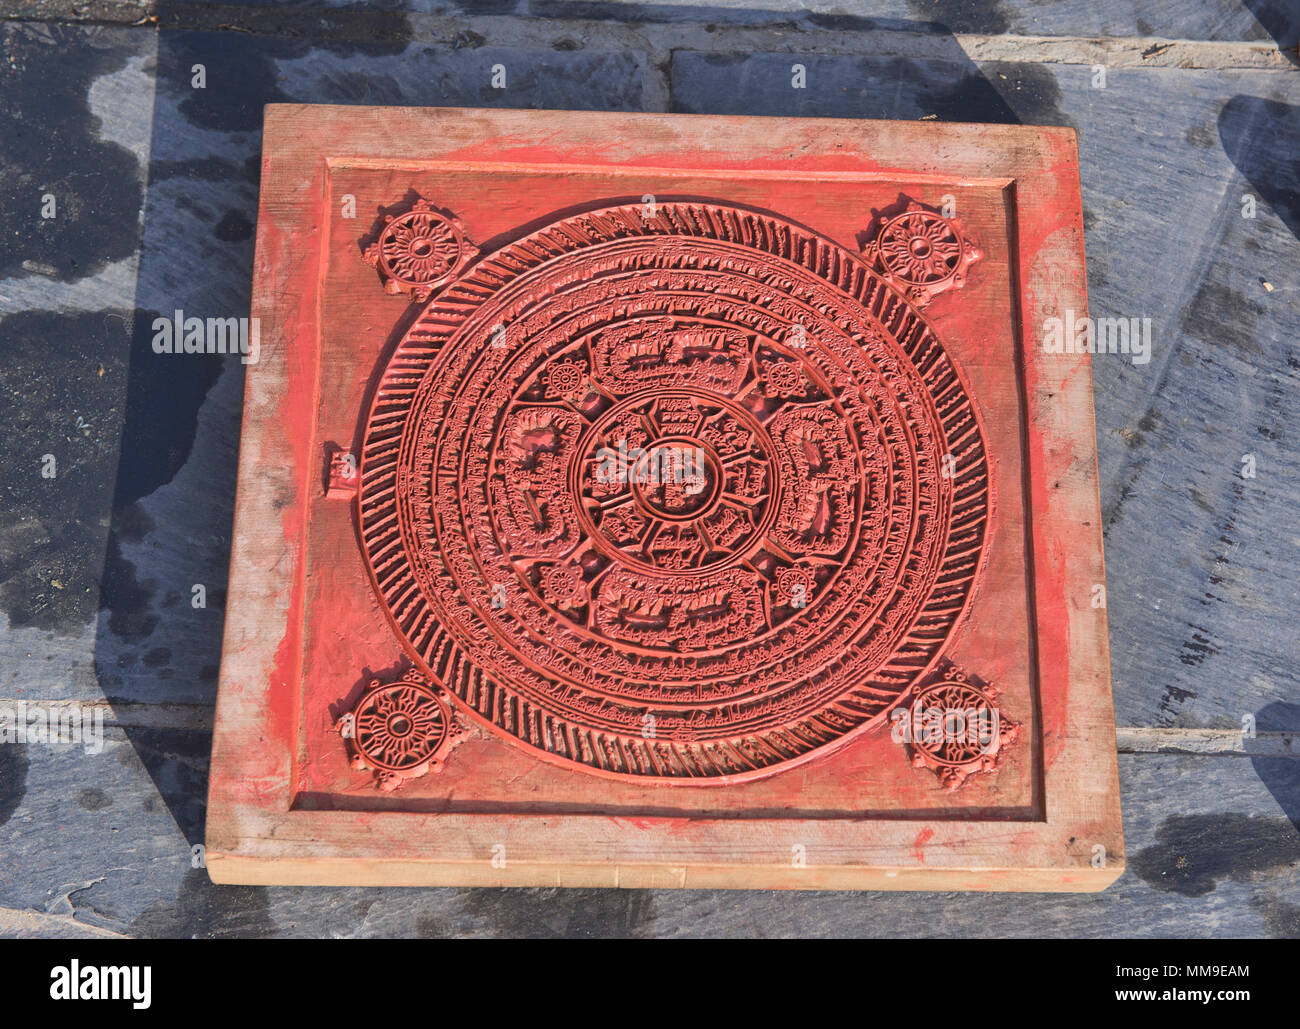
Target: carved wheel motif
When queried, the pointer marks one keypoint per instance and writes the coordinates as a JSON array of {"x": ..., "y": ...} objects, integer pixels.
[
  {"x": 399, "y": 730},
  {"x": 957, "y": 729},
  {"x": 923, "y": 253},
  {"x": 671, "y": 497},
  {"x": 419, "y": 251}
]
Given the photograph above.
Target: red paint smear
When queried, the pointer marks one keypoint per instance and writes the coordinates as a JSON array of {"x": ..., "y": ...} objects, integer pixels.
[
  {"x": 1059, "y": 211},
  {"x": 298, "y": 339},
  {"x": 1051, "y": 603},
  {"x": 918, "y": 845}
]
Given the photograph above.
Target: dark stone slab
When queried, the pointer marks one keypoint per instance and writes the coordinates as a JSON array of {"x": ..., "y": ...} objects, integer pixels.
[{"x": 91, "y": 839}]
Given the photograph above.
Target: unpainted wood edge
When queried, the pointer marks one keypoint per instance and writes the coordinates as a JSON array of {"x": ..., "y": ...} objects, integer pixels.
[
  {"x": 225, "y": 868},
  {"x": 227, "y": 812}
]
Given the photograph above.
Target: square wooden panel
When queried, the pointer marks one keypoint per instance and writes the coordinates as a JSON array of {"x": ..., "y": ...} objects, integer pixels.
[{"x": 459, "y": 651}]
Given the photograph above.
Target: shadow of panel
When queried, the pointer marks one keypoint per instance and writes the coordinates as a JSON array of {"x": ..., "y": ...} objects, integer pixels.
[{"x": 1262, "y": 139}]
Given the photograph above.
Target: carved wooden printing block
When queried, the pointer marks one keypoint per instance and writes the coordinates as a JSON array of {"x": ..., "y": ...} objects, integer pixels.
[{"x": 665, "y": 501}]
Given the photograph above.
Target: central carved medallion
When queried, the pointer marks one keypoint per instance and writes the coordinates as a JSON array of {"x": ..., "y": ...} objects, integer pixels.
[{"x": 684, "y": 493}]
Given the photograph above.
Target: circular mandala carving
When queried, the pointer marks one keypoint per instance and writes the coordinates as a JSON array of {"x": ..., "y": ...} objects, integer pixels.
[
  {"x": 711, "y": 502},
  {"x": 677, "y": 480}
]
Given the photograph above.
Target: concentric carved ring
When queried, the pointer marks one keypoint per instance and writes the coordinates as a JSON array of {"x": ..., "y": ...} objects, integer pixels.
[
  {"x": 686, "y": 497},
  {"x": 676, "y": 480}
]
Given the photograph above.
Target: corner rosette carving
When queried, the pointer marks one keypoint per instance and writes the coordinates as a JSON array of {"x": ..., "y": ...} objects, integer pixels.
[
  {"x": 921, "y": 253},
  {"x": 955, "y": 728},
  {"x": 401, "y": 730},
  {"x": 420, "y": 251}
]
